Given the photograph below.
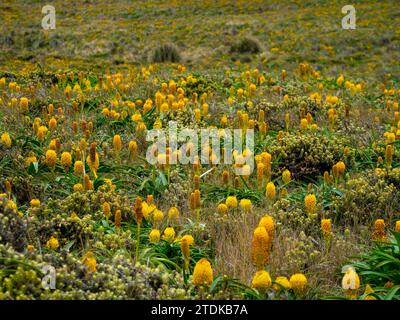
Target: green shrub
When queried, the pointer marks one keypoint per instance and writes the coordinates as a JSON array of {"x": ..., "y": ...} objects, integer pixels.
[
  {"x": 166, "y": 53},
  {"x": 380, "y": 268},
  {"x": 367, "y": 197},
  {"x": 13, "y": 228},
  {"x": 247, "y": 45},
  {"x": 115, "y": 278},
  {"x": 309, "y": 154}
]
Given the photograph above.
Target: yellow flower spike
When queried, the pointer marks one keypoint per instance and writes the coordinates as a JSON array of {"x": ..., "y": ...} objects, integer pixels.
[
  {"x": 132, "y": 149},
  {"x": 87, "y": 183},
  {"x": 138, "y": 208},
  {"x": 78, "y": 167},
  {"x": 185, "y": 248},
  {"x": 225, "y": 177},
  {"x": 267, "y": 162},
  {"x": 117, "y": 144},
  {"x": 52, "y": 124},
  {"x": 154, "y": 236},
  {"x": 379, "y": 233},
  {"x": 303, "y": 124},
  {"x": 158, "y": 216},
  {"x": 52, "y": 145},
  {"x": 41, "y": 133},
  {"x": 78, "y": 187},
  {"x": 53, "y": 243},
  {"x": 270, "y": 191},
  {"x": 197, "y": 199},
  {"x": 389, "y": 155},
  {"x": 283, "y": 74},
  {"x": 141, "y": 127},
  {"x": 137, "y": 117},
  {"x": 252, "y": 88},
  {"x": 203, "y": 273},
  {"x": 169, "y": 234},
  {"x": 260, "y": 174},
  {"x": 246, "y": 205},
  {"x": 83, "y": 145},
  {"x": 14, "y": 103},
  {"x": 260, "y": 248},
  {"x": 35, "y": 203},
  {"x": 310, "y": 202},
  {"x": 12, "y": 205},
  {"x": 189, "y": 238},
  {"x": 192, "y": 204},
  {"x": 6, "y": 140},
  {"x": 157, "y": 124},
  {"x": 205, "y": 109},
  {"x": 261, "y": 116},
  {"x": 341, "y": 167},
  {"x": 67, "y": 91},
  {"x": 173, "y": 214},
  {"x": 261, "y": 281},
  {"x": 268, "y": 223},
  {"x": 286, "y": 176},
  {"x": 23, "y": 104},
  {"x": 298, "y": 283},
  {"x": 231, "y": 202},
  {"x": 222, "y": 209},
  {"x": 51, "y": 158},
  {"x": 66, "y": 160},
  {"x": 367, "y": 292},
  {"x": 90, "y": 261},
  {"x": 93, "y": 160},
  {"x": 397, "y": 227},
  {"x": 106, "y": 210},
  {"x": 284, "y": 193},
  {"x": 196, "y": 181},
  {"x": 172, "y": 86},
  {"x": 340, "y": 80},
  {"x": 281, "y": 283},
  {"x": 8, "y": 188},
  {"x": 309, "y": 118},
  {"x": 326, "y": 228},
  {"x": 224, "y": 121},
  {"x": 197, "y": 114}
]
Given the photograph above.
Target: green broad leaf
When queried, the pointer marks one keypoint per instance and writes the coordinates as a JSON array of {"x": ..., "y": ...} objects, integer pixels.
[
  {"x": 216, "y": 281},
  {"x": 98, "y": 182},
  {"x": 392, "y": 292},
  {"x": 33, "y": 168},
  {"x": 69, "y": 245},
  {"x": 161, "y": 180},
  {"x": 374, "y": 273}
]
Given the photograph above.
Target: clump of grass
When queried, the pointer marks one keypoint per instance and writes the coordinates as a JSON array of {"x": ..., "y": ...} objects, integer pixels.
[
  {"x": 247, "y": 45},
  {"x": 166, "y": 53}
]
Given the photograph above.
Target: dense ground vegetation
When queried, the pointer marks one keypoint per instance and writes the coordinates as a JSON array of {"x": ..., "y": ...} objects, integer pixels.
[{"x": 317, "y": 218}]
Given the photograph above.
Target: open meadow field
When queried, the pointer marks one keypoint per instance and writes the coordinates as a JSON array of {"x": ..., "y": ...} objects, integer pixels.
[{"x": 211, "y": 149}]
